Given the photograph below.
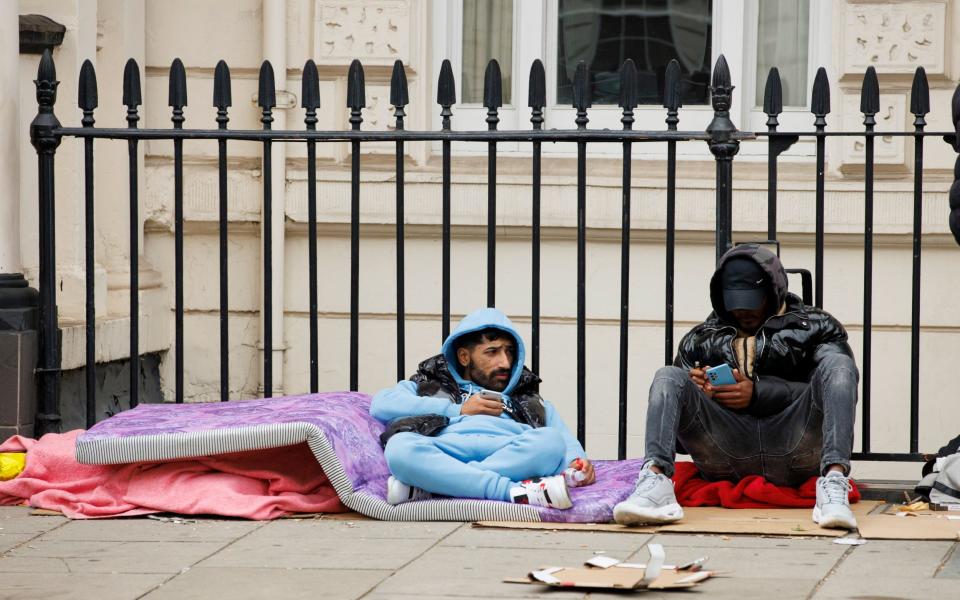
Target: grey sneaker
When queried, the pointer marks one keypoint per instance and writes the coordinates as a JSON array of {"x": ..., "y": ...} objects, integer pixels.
[
  {"x": 833, "y": 503},
  {"x": 652, "y": 501},
  {"x": 398, "y": 492}
]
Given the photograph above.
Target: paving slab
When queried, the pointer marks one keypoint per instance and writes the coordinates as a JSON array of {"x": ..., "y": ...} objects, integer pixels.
[
  {"x": 32, "y": 564},
  {"x": 523, "y": 592},
  {"x": 476, "y": 572},
  {"x": 886, "y": 588},
  {"x": 58, "y": 586},
  {"x": 151, "y": 530},
  {"x": 516, "y": 538},
  {"x": 120, "y": 557},
  {"x": 256, "y": 584},
  {"x": 727, "y": 588},
  {"x": 17, "y": 519},
  {"x": 710, "y": 540},
  {"x": 355, "y": 530},
  {"x": 951, "y": 566},
  {"x": 902, "y": 557},
  {"x": 9, "y": 541},
  {"x": 312, "y": 548},
  {"x": 757, "y": 563}
]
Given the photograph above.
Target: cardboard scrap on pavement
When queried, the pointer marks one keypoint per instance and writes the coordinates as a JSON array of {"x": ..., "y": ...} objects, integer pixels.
[
  {"x": 604, "y": 572},
  {"x": 919, "y": 524},
  {"x": 715, "y": 520}
]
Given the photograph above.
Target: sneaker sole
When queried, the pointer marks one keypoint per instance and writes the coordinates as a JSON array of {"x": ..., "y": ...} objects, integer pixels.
[
  {"x": 628, "y": 514},
  {"x": 836, "y": 522}
]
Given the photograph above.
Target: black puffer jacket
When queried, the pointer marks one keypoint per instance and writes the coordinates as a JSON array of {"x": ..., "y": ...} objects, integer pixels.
[{"x": 788, "y": 346}]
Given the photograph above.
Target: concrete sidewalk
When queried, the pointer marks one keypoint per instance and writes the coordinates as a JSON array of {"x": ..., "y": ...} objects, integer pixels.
[{"x": 53, "y": 557}]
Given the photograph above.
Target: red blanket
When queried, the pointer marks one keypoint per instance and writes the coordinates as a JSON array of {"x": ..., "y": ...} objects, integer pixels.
[
  {"x": 265, "y": 484},
  {"x": 752, "y": 491}
]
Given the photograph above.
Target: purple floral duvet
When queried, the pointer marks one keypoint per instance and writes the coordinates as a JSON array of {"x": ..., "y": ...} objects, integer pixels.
[{"x": 345, "y": 440}]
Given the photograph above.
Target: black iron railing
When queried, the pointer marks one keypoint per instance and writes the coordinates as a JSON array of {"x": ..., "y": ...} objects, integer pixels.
[{"x": 721, "y": 136}]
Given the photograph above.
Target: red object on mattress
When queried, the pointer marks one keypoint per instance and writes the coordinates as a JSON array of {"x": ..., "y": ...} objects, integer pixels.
[
  {"x": 262, "y": 484},
  {"x": 752, "y": 491}
]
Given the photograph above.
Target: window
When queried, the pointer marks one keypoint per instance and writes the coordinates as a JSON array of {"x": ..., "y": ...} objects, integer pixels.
[
  {"x": 605, "y": 33},
  {"x": 754, "y": 35}
]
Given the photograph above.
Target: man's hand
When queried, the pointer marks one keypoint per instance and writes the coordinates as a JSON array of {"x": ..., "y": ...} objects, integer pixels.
[
  {"x": 585, "y": 467},
  {"x": 699, "y": 377},
  {"x": 736, "y": 396},
  {"x": 475, "y": 405}
]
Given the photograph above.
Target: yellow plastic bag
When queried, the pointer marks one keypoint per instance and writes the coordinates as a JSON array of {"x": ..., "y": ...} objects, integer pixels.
[{"x": 12, "y": 464}]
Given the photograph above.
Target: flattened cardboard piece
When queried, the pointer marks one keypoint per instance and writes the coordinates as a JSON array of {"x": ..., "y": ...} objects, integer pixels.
[
  {"x": 926, "y": 525},
  {"x": 607, "y": 527},
  {"x": 715, "y": 520},
  {"x": 615, "y": 578},
  {"x": 609, "y": 573}
]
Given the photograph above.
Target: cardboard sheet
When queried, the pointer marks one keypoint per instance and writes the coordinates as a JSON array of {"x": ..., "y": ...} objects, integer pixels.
[
  {"x": 774, "y": 521},
  {"x": 922, "y": 525},
  {"x": 605, "y": 572}
]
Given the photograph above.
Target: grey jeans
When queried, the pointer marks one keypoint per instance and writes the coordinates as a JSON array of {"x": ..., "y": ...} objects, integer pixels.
[{"x": 787, "y": 448}]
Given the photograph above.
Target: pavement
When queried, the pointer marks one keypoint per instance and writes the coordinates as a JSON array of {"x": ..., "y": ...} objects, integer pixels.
[{"x": 53, "y": 557}]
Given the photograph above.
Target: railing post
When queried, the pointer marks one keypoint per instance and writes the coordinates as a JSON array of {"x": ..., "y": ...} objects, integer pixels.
[
  {"x": 723, "y": 147},
  {"x": 44, "y": 137}
]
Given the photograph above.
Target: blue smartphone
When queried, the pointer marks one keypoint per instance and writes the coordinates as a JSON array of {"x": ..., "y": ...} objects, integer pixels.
[{"x": 721, "y": 375}]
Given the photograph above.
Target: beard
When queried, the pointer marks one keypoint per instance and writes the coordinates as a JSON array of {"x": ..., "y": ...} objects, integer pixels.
[{"x": 488, "y": 380}]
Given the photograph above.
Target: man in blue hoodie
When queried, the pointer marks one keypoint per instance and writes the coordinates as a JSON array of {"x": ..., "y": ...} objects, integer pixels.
[{"x": 470, "y": 424}]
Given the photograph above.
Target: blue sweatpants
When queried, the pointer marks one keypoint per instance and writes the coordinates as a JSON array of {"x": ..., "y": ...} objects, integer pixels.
[{"x": 485, "y": 465}]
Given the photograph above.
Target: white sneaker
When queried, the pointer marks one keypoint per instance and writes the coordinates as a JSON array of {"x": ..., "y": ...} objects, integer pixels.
[
  {"x": 542, "y": 491},
  {"x": 652, "y": 501},
  {"x": 833, "y": 502},
  {"x": 398, "y": 492}
]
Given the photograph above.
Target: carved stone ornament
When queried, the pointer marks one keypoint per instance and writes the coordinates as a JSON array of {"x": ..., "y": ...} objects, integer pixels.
[
  {"x": 892, "y": 116},
  {"x": 894, "y": 37},
  {"x": 376, "y": 32}
]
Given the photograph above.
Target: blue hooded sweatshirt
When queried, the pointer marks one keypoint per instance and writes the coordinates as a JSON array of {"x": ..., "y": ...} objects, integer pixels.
[{"x": 402, "y": 399}]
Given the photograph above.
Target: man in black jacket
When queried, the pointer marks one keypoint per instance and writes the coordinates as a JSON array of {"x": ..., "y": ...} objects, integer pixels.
[{"x": 788, "y": 417}]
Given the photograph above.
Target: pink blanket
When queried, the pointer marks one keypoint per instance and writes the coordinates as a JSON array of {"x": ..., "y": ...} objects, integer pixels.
[{"x": 264, "y": 484}]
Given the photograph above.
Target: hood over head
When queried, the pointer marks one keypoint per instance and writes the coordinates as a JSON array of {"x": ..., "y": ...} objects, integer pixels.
[
  {"x": 769, "y": 264},
  {"x": 478, "y": 320}
]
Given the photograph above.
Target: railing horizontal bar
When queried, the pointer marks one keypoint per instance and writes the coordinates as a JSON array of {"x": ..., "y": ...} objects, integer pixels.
[
  {"x": 860, "y": 133},
  {"x": 550, "y": 135},
  {"x": 888, "y": 456},
  {"x": 555, "y": 135}
]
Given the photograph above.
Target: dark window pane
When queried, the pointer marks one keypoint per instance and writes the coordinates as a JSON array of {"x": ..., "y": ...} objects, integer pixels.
[{"x": 604, "y": 33}]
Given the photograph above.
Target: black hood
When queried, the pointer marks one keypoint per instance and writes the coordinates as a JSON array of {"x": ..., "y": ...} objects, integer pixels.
[{"x": 767, "y": 261}]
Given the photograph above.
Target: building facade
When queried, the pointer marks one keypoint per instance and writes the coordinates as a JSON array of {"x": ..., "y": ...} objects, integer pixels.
[{"x": 797, "y": 36}]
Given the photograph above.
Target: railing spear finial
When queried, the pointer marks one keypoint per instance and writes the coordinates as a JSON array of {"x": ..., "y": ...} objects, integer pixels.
[
  {"x": 177, "y": 93},
  {"x": 310, "y": 93},
  {"x": 870, "y": 97},
  {"x": 820, "y": 99},
  {"x": 87, "y": 93},
  {"x": 399, "y": 96},
  {"x": 446, "y": 93},
  {"x": 492, "y": 93},
  {"x": 266, "y": 93},
  {"x": 773, "y": 98},
  {"x": 356, "y": 93},
  {"x": 131, "y": 91},
  {"x": 582, "y": 99},
  {"x": 537, "y": 93},
  {"x": 222, "y": 98},
  {"x": 628, "y": 92},
  {"x": 920, "y": 97},
  {"x": 671, "y": 94}
]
